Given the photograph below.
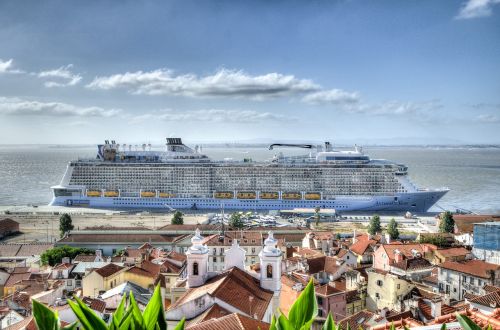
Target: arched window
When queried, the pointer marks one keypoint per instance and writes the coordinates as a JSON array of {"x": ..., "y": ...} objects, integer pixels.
[
  {"x": 269, "y": 271},
  {"x": 195, "y": 268}
]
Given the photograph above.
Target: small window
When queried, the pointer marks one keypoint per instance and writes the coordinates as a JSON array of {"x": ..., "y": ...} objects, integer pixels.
[
  {"x": 377, "y": 295},
  {"x": 380, "y": 283},
  {"x": 399, "y": 286},
  {"x": 269, "y": 271},
  {"x": 195, "y": 268}
]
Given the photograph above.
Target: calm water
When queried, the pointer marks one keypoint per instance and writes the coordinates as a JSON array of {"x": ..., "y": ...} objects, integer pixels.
[{"x": 472, "y": 174}]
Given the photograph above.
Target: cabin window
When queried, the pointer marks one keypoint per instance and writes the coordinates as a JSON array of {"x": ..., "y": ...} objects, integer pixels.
[
  {"x": 195, "y": 268},
  {"x": 269, "y": 271}
]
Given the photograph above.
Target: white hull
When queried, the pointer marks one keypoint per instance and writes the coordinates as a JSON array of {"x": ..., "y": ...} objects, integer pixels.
[{"x": 414, "y": 202}]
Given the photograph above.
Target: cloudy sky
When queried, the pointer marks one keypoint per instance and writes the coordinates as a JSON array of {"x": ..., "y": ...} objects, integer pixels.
[{"x": 347, "y": 70}]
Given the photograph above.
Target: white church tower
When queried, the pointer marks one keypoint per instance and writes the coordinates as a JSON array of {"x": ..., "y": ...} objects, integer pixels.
[
  {"x": 234, "y": 256},
  {"x": 270, "y": 265},
  {"x": 197, "y": 261}
]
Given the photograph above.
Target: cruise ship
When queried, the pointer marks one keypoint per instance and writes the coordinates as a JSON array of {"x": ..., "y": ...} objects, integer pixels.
[{"x": 181, "y": 177}]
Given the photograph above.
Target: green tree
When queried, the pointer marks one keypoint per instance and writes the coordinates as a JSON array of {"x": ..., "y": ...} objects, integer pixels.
[
  {"x": 446, "y": 223},
  {"x": 65, "y": 224},
  {"x": 374, "y": 226},
  {"x": 235, "y": 220},
  {"x": 392, "y": 229},
  {"x": 178, "y": 218},
  {"x": 54, "y": 256},
  {"x": 317, "y": 215}
]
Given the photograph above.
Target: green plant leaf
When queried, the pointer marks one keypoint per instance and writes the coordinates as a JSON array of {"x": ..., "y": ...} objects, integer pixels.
[
  {"x": 466, "y": 323},
  {"x": 282, "y": 323},
  {"x": 329, "y": 323},
  {"x": 86, "y": 316},
  {"x": 136, "y": 312},
  {"x": 154, "y": 314},
  {"x": 305, "y": 308},
  {"x": 180, "y": 325},
  {"x": 443, "y": 327},
  {"x": 307, "y": 325},
  {"x": 273, "y": 323},
  {"x": 45, "y": 318},
  {"x": 120, "y": 310}
]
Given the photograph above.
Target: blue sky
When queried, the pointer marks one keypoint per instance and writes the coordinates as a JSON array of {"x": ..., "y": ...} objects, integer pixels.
[{"x": 350, "y": 71}]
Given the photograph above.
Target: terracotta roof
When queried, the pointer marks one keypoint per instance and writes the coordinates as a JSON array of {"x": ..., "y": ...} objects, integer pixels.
[
  {"x": 341, "y": 253},
  {"x": 236, "y": 288},
  {"x": 133, "y": 253},
  {"x": 232, "y": 321},
  {"x": 150, "y": 267},
  {"x": 426, "y": 309},
  {"x": 477, "y": 317},
  {"x": 170, "y": 268},
  {"x": 476, "y": 268},
  {"x": 327, "y": 290},
  {"x": 413, "y": 264},
  {"x": 8, "y": 225},
  {"x": 491, "y": 288},
  {"x": 431, "y": 279},
  {"x": 465, "y": 222},
  {"x": 489, "y": 300},
  {"x": 316, "y": 265},
  {"x": 453, "y": 252},
  {"x": 176, "y": 256},
  {"x": 245, "y": 238},
  {"x": 95, "y": 304},
  {"x": 9, "y": 250},
  {"x": 360, "y": 319},
  {"x": 214, "y": 312},
  {"x": 405, "y": 249},
  {"x": 139, "y": 271},
  {"x": 404, "y": 324},
  {"x": 16, "y": 278},
  {"x": 108, "y": 270},
  {"x": 307, "y": 253},
  {"x": 362, "y": 245},
  {"x": 190, "y": 227}
]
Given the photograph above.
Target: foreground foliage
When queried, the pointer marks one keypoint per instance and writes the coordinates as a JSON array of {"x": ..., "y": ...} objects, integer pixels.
[{"x": 302, "y": 315}]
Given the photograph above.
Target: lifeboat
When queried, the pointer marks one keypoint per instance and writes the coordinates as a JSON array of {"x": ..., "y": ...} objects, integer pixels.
[
  {"x": 166, "y": 195},
  {"x": 269, "y": 195},
  {"x": 111, "y": 193},
  {"x": 223, "y": 194},
  {"x": 94, "y": 193},
  {"x": 312, "y": 196},
  {"x": 291, "y": 195},
  {"x": 148, "y": 194},
  {"x": 246, "y": 195}
]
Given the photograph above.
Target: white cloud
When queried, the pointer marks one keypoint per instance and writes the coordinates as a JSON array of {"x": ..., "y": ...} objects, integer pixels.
[
  {"x": 7, "y": 67},
  {"x": 212, "y": 115},
  {"x": 488, "y": 118},
  {"x": 63, "y": 75},
  {"x": 332, "y": 96},
  {"x": 229, "y": 83},
  {"x": 476, "y": 8},
  {"x": 20, "y": 107}
]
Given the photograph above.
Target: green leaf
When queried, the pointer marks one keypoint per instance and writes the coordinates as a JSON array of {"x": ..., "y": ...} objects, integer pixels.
[
  {"x": 79, "y": 314},
  {"x": 307, "y": 325},
  {"x": 273, "y": 323},
  {"x": 329, "y": 323},
  {"x": 118, "y": 315},
  {"x": 180, "y": 325},
  {"x": 154, "y": 314},
  {"x": 443, "y": 327},
  {"x": 284, "y": 324},
  {"x": 45, "y": 318},
  {"x": 466, "y": 323},
  {"x": 305, "y": 308},
  {"x": 136, "y": 312},
  {"x": 91, "y": 321}
]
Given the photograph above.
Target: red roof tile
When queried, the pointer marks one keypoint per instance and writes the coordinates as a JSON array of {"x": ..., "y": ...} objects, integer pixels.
[
  {"x": 477, "y": 268},
  {"x": 233, "y": 321},
  {"x": 108, "y": 270}
]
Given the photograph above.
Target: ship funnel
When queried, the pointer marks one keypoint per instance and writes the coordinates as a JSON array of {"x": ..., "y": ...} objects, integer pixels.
[
  {"x": 328, "y": 146},
  {"x": 143, "y": 147}
]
